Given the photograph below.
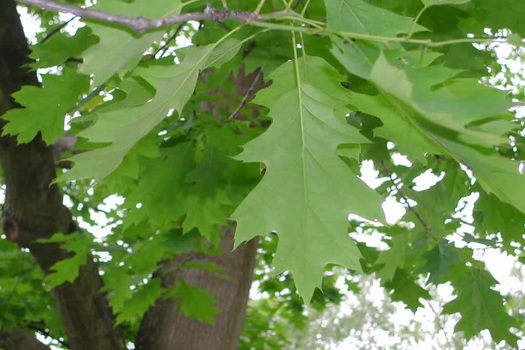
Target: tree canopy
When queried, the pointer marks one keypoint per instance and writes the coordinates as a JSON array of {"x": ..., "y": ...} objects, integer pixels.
[{"x": 183, "y": 122}]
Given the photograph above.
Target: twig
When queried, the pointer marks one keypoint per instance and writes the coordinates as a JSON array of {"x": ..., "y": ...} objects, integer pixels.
[
  {"x": 413, "y": 27},
  {"x": 297, "y": 3},
  {"x": 259, "y": 6},
  {"x": 245, "y": 98},
  {"x": 56, "y": 30},
  {"x": 360, "y": 36},
  {"x": 89, "y": 97},
  {"x": 141, "y": 24},
  {"x": 168, "y": 42},
  {"x": 427, "y": 228},
  {"x": 464, "y": 222}
]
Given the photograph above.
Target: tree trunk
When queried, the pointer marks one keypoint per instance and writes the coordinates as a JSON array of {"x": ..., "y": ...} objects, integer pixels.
[
  {"x": 165, "y": 327},
  {"x": 33, "y": 208}
]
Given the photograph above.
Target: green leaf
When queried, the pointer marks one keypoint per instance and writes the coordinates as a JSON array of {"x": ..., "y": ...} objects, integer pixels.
[
  {"x": 153, "y": 249},
  {"x": 46, "y": 107},
  {"x": 439, "y": 261},
  {"x": 496, "y": 174},
  {"x": 481, "y": 307},
  {"x": 394, "y": 257},
  {"x": 405, "y": 288},
  {"x": 409, "y": 140},
  {"x": 356, "y": 57},
  {"x": 223, "y": 52},
  {"x": 215, "y": 270},
  {"x": 67, "y": 270},
  {"x": 195, "y": 302},
  {"x": 499, "y": 15},
  {"x": 436, "y": 205},
  {"x": 116, "y": 284},
  {"x": 360, "y": 17},
  {"x": 125, "y": 127},
  {"x": 411, "y": 92},
  {"x": 491, "y": 216},
  {"x": 175, "y": 187},
  {"x": 60, "y": 47},
  {"x": 140, "y": 302},
  {"x": 118, "y": 50},
  {"x": 209, "y": 178},
  {"x": 307, "y": 191},
  {"x": 436, "y": 121}
]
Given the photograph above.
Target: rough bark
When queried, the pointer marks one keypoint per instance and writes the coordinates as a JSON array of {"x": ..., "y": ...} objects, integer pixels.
[
  {"x": 165, "y": 327},
  {"x": 33, "y": 208}
]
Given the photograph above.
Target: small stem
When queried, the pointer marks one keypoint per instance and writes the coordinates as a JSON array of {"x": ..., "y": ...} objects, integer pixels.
[
  {"x": 410, "y": 208},
  {"x": 56, "y": 30},
  {"x": 361, "y": 36},
  {"x": 413, "y": 27},
  {"x": 245, "y": 98},
  {"x": 89, "y": 97},
  {"x": 296, "y": 17},
  {"x": 464, "y": 222},
  {"x": 305, "y": 7},
  {"x": 297, "y": 3},
  {"x": 259, "y": 6},
  {"x": 168, "y": 42}
]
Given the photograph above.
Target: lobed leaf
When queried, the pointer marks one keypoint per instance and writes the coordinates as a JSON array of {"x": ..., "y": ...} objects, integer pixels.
[
  {"x": 307, "y": 191},
  {"x": 481, "y": 307},
  {"x": 44, "y": 112}
]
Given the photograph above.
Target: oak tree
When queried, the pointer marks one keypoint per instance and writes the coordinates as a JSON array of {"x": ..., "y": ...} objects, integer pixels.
[{"x": 218, "y": 138}]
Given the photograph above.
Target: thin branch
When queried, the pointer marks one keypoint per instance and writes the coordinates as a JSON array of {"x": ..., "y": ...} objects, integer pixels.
[
  {"x": 46, "y": 333},
  {"x": 248, "y": 93},
  {"x": 141, "y": 24},
  {"x": 305, "y": 8},
  {"x": 56, "y": 30},
  {"x": 413, "y": 27},
  {"x": 464, "y": 222},
  {"x": 361, "y": 36},
  {"x": 427, "y": 228},
  {"x": 297, "y": 3},
  {"x": 89, "y": 97},
  {"x": 168, "y": 42}
]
